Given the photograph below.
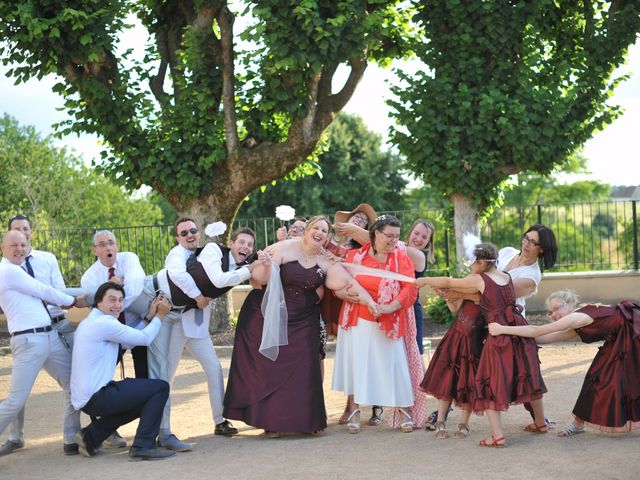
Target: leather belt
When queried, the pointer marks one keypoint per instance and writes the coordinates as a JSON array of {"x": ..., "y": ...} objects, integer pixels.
[
  {"x": 48, "y": 328},
  {"x": 57, "y": 319}
]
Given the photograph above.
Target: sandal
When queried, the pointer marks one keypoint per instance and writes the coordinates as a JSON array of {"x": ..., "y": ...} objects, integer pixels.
[
  {"x": 376, "y": 415},
  {"x": 407, "y": 425},
  {"x": 462, "y": 432},
  {"x": 270, "y": 434},
  {"x": 570, "y": 430},
  {"x": 533, "y": 428},
  {"x": 494, "y": 443},
  {"x": 353, "y": 422},
  {"x": 344, "y": 418},
  {"x": 441, "y": 431}
]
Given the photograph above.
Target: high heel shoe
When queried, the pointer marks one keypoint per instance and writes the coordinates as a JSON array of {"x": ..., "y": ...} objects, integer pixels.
[
  {"x": 407, "y": 425},
  {"x": 353, "y": 422}
]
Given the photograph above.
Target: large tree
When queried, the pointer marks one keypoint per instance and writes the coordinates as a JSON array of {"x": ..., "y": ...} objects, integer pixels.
[
  {"x": 351, "y": 169},
  {"x": 206, "y": 116},
  {"x": 511, "y": 86}
]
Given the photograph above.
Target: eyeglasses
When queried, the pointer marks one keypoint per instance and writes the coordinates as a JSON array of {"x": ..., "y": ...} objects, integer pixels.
[
  {"x": 296, "y": 228},
  {"x": 191, "y": 231},
  {"x": 108, "y": 243},
  {"x": 531, "y": 242},
  {"x": 390, "y": 236}
]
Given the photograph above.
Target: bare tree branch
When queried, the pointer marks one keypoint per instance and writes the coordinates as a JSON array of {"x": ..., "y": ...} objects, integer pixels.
[{"x": 339, "y": 100}]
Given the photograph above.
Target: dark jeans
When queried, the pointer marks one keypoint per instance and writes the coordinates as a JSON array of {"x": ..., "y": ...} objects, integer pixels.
[
  {"x": 118, "y": 403},
  {"x": 417, "y": 308}
]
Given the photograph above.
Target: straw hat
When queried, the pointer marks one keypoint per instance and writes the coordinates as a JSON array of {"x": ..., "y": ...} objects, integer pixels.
[{"x": 342, "y": 216}]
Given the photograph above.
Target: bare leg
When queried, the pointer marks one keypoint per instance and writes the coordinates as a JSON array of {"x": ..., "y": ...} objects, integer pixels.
[
  {"x": 538, "y": 411},
  {"x": 497, "y": 434}
]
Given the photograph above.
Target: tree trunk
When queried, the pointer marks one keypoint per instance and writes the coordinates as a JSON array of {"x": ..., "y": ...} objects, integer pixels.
[
  {"x": 465, "y": 219},
  {"x": 219, "y": 314}
]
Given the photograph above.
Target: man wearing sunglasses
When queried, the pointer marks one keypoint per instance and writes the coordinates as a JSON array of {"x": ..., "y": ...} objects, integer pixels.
[{"x": 188, "y": 272}]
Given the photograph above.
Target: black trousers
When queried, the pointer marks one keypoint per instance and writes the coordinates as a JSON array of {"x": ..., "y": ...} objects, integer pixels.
[{"x": 118, "y": 403}]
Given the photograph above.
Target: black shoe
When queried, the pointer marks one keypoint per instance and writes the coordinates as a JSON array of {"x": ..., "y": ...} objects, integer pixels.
[
  {"x": 85, "y": 446},
  {"x": 71, "y": 449},
  {"x": 11, "y": 446},
  {"x": 139, "y": 453},
  {"x": 225, "y": 428}
]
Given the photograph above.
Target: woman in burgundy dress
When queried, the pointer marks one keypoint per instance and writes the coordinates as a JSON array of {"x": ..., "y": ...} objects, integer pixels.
[
  {"x": 452, "y": 370},
  {"x": 284, "y": 394},
  {"x": 509, "y": 369},
  {"x": 610, "y": 395}
]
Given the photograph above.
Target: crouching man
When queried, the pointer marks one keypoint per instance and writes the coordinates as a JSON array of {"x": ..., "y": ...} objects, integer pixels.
[{"x": 109, "y": 403}]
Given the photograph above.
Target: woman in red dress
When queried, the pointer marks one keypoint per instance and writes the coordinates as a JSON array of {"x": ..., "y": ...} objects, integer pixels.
[
  {"x": 610, "y": 395},
  {"x": 508, "y": 371},
  {"x": 452, "y": 370}
]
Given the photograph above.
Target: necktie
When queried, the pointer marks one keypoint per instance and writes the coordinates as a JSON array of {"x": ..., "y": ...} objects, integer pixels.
[
  {"x": 199, "y": 317},
  {"x": 112, "y": 273},
  {"x": 29, "y": 269}
]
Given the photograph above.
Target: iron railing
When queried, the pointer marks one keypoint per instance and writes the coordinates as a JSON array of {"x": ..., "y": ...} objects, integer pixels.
[{"x": 591, "y": 236}]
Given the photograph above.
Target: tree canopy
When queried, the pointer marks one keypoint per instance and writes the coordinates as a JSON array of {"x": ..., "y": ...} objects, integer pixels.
[
  {"x": 510, "y": 87},
  {"x": 352, "y": 169},
  {"x": 54, "y": 188},
  {"x": 207, "y": 115}
]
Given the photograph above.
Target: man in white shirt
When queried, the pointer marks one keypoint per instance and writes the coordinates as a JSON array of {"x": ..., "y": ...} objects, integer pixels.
[
  {"x": 109, "y": 403},
  {"x": 123, "y": 268},
  {"x": 44, "y": 267},
  {"x": 34, "y": 343},
  {"x": 217, "y": 273}
]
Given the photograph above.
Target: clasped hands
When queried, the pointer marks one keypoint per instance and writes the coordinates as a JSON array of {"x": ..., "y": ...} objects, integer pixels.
[
  {"x": 158, "y": 307},
  {"x": 378, "y": 309}
]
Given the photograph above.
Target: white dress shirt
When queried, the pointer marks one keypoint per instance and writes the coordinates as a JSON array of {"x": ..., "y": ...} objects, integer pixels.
[
  {"x": 95, "y": 352},
  {"x": 127, "y": 267},
  {"x": 211, "y": 259},
  {"x": 21, "y": 298},
  {"x": 532, "y": 272},
  {"x": 46, "y": 269}
]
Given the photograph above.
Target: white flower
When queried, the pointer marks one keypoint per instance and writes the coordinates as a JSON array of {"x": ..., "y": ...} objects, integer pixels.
[
  {"x": 285, "y": 212},
  {"x": 470, "y": 241},
  {"x": 216, "y": 228}
]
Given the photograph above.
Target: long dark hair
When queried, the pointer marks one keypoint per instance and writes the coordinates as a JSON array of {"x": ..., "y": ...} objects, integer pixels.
[{"x": 548, "y": 244}]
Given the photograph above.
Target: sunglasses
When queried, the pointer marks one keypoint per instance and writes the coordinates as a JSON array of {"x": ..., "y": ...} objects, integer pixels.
[{"x": 191, "y": 231}]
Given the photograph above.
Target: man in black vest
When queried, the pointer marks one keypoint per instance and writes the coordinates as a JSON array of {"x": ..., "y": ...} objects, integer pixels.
[{"x": 212, "y": 271}]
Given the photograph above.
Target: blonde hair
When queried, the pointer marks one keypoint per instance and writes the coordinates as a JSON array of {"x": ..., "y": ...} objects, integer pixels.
[
  {"x": 565, "y": 296},
  {"x": 313, "y": 220},
  {"x": 429, "y": 247}
]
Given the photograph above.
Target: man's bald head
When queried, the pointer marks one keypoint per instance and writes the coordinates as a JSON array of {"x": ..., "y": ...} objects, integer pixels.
[{"x": 15, "y": 246}]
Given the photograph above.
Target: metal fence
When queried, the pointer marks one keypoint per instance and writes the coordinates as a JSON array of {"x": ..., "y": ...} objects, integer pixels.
[{"x": 591, "y": 236}]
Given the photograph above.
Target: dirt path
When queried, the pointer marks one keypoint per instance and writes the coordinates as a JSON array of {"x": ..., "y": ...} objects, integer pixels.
[{"x": 377, "y": 452}]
